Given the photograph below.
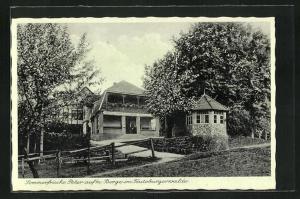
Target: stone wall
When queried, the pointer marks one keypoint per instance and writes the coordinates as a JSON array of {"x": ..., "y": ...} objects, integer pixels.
[{"x": 209, "y": 129}]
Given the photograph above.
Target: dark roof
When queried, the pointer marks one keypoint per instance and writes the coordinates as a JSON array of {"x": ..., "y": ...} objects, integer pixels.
[
  {"x": 125, "y": 87},
  {"x": 122, "y": 87},
  {"x": 207, "y": 103}
]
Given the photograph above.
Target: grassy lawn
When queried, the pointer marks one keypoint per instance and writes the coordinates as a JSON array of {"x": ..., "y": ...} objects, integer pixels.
[
  {"x": 245, "y": 141},
  {"x": 72, "y": 170},
  {"x": 239, "y": 162}
]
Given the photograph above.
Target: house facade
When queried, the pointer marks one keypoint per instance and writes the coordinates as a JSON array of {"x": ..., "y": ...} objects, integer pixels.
[
  {"x": 72, "y": 112},
  {"x": 119, "y": 113}
]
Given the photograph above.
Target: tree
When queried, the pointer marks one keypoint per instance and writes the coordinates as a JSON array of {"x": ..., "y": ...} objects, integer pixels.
[
  {"x": 230, "y": 61},
  {"x": 47, "y": 62}
]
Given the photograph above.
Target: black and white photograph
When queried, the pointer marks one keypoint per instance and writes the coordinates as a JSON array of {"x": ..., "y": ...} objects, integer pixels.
[{"x": 142, "y": 103}]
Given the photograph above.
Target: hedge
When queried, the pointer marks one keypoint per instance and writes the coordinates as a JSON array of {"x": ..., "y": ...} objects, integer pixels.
[{"x": 189, "y": 144}]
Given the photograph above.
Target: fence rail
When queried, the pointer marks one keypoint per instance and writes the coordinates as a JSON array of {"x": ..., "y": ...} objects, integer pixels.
[{"x": 84, "y": 154}]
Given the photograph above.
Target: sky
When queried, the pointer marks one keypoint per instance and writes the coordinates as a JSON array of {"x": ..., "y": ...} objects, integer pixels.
[{"x": 121, "y": 50}]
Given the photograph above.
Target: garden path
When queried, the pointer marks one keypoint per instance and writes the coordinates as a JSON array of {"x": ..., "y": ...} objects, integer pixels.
[
  {"x": 252, "y": 146},
  {"x": 163, "y": 156}
]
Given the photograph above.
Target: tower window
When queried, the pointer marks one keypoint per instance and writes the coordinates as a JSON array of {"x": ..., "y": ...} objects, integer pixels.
[
  {"x": 221, "y": 119},
  {"x": 198, "y": 119},
  {"x": 206, "y": 118}
]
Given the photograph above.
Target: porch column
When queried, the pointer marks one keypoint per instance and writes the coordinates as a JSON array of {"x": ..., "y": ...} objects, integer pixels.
[
  {"x": 123, "y": 124},
  {"x": 138, "y": 100},
  {"x": 100, "y": 122},
  {"x": 138, "y": 124}
]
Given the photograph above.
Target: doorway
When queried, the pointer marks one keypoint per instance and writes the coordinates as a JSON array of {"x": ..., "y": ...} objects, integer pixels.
[{"x": 131, "y": 125}]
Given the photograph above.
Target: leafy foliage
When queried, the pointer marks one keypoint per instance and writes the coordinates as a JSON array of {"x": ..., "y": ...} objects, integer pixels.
[
  {"x": 51, "y": 71},
  {"x": 230, "y": 61}
]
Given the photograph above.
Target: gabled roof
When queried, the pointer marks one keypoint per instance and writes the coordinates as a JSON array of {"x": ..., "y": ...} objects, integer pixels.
[
  {"x": 124, "y": 87},
  {"x": 86, "y": 91},
  {"x": 207, "y": 103}
]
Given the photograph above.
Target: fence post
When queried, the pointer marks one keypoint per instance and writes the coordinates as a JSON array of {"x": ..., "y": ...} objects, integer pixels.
[
  {"x": 113, "y": 161},
  {"x": 152, "y": 148},
  {"x": 89, "y": 159},
  {"x": 58, "y": 154},
  {"x": 23, "y": 172},
  {"x": 42, "y": 143},
  {"x": 107, "y": 154}
]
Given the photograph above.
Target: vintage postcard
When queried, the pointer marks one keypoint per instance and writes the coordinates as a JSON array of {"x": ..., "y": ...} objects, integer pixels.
[{"x": 143, "y": 103}]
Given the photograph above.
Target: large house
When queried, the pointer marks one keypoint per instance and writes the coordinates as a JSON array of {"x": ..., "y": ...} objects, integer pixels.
[{"x": 121, "y": 113}]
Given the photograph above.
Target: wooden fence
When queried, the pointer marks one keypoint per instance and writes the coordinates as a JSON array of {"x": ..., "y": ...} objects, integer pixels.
[{"x": 84, "y": 155}]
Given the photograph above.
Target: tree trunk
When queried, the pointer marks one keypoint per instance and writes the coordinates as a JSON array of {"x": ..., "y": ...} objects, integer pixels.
[
  {"x": 42, "y": 143},
  {"x": 28, "y": 143},
  {"x": 31, "y": 165}
]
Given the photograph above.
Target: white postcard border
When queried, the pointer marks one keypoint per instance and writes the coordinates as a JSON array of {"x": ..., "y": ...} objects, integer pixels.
[{"x": 140, "y": 183}]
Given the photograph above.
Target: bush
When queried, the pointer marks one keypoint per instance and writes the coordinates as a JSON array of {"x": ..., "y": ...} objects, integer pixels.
[
  {"x": 59, "y": 135},
  {"x": 60, "y": 127},
  {"x": 189, "y": 144},
  {"x": 216, "y": 142},
  {"x": 62, "y": 141},
  {"x": 239, "y": 122}
]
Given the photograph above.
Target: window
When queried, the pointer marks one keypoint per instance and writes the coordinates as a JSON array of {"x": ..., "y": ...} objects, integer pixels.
[
  {"x": 111, "y": 121},
  {"x": 206, "y": 118},
  {"x": 77, "y": 114},
  {"x": 189, "y": 120},
  {"x": 218, "y": 112},
  {"x": 74, "y": 114},
  {"x": 80, "y": 114},
  {"x": 221, "y": 119},
  {"x": 215, "y": 119},
  {"x": 147, "y": 123},
  {"x": 198, "y": 118},
  {"x": 203, "y": 117},
  {"x": 66, "y": 114}
]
